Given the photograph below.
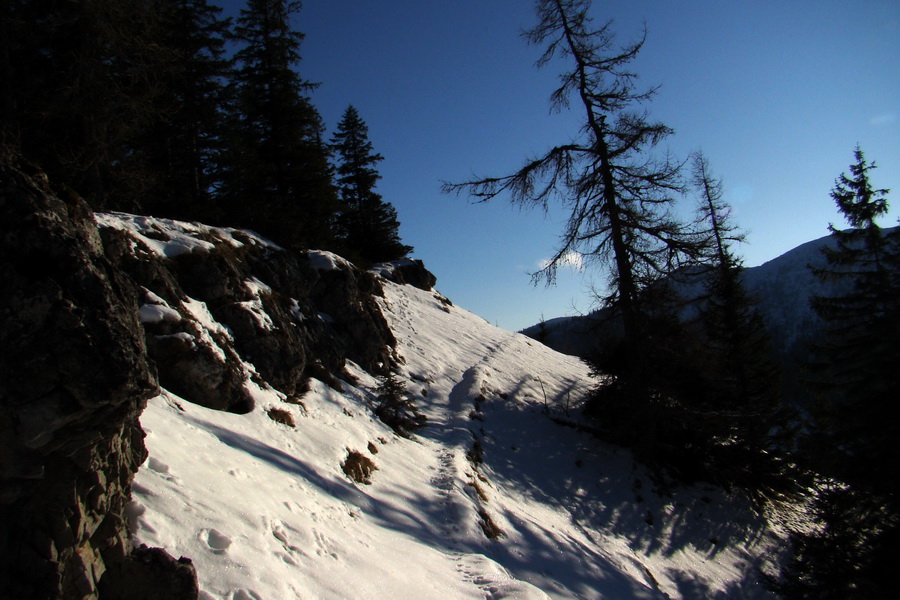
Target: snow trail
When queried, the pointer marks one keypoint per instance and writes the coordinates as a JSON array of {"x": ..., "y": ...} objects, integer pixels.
[{"x": 265, "y": 511}]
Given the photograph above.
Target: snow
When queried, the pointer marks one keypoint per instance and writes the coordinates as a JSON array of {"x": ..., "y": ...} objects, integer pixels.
[
  {"x": 157, "y": 310},
  {"x": 155, "y": 313},
  {"x": 265, "y": 511},
  {"x": 254, "y": 306},
  {"x": 386, "y": 269},
  {"x": 168, "y": 238},
  {"x": 321, "y": 260}
]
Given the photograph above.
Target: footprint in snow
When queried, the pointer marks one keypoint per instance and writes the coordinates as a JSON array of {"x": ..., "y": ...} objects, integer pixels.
[
  {"x": 279, "y": 533},
  {"x": 161, "y": 469},
  {"x": 158, "y": 466},
  {"x": 217, "y": 541},
  {"x": 325, "y": 547}
]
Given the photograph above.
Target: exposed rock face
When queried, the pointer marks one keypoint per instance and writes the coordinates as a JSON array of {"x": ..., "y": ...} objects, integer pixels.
[
  {"x": 216, "y": 300},
  {"x": 88, "y": 318},
  {"x": 407, "y": 271},
  {"x": 75, "y": 377}
]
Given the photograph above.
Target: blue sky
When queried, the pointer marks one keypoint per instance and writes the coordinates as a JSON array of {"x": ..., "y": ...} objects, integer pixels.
[{"x": 776, "y": 93}]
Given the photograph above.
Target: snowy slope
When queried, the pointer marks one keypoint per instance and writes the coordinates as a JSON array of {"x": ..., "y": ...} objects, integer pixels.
[{"x": 266, "y": 512}]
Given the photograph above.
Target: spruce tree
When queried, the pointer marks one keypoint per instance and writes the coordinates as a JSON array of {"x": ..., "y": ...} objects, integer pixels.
[
  {"x": 743, "y": 427},
  {"x": 367, "y": 225},
  {"x": 854, "y": 377},
  {"x": 854, "y": 420},
  {"x": 277, "y": 177}
]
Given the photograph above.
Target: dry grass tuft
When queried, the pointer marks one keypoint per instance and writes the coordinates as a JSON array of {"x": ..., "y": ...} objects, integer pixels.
[
  {"x": 491, "y": 530},
  {"x": 279, "y": 415},
  {"x": 358, "y": 467}
]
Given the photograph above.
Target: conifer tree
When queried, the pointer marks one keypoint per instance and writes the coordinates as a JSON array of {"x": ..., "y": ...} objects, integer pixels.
[
  {"x": 855, "y": 376},
  {"x": 739, "y": 405},
  {"x": 395, "y": 408},
  {"x": 276, "y": 178},
  {"x": 617, "y": 196},
  {"x": 367, "y": 225},
  {"x": 80, "y": 79},
  {"x": 181, "y": 150},
  {"x": 855, "y": 420}
]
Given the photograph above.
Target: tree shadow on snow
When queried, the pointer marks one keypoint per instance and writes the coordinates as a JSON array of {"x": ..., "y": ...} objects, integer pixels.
[{"x": 604, "y": 490}]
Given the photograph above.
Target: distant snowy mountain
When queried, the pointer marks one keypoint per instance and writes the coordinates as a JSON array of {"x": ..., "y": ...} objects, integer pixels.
[
  {"x": 782, "y": 288},
  {"x": 499, "y": 496}
]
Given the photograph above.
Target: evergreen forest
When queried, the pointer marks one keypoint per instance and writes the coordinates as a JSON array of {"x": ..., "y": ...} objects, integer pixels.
[{"x": 164, "y": 107}]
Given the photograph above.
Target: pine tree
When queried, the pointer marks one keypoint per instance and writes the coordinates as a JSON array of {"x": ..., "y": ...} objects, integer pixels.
[
  {"x": 367, "y": 225},
  {"x": 618, "y": 199},
  {"x": 276, "y": 174},
  {"x": 855, "y": 420}
]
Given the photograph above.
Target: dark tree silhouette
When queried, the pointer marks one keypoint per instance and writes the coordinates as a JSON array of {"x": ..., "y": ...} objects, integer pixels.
[
  {"x": 276, "y": 177},
  {"x": 367, "y": 225},
  {"x": 180, "y": 151},
  {"x": 855, "y": 421},
  {"x": 617, "y": 195},
  {"x": 743, "y": 426},
  {"x": 80, "y": 79}
]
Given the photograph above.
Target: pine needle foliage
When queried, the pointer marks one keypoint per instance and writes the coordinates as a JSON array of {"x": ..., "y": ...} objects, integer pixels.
[
  {"x": 396, "y": 408},
  {"x": 855, "y": 418},
  {"x": 367, "y": 226}
]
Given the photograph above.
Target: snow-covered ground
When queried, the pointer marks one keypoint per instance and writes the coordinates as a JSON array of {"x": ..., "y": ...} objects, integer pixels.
[{"x": 266, "y": 512}]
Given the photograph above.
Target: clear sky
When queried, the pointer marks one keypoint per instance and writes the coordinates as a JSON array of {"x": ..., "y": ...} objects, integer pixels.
[{"x": 777, "y": 93}]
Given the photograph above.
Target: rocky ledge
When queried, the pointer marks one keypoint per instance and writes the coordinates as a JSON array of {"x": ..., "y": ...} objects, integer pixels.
[{"x": 98, "y": 311}]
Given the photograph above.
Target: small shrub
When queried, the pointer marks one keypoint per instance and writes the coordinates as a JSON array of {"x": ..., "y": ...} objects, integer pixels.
[
  {"x": 479, "y": 490},
  {"x": 358, "y": 467},
  {"x": 279, "y": 415},
  {"x": 445, "y": 302},
  {"x": 396, "y": 409},
  {"x": 296, "y": 401}
]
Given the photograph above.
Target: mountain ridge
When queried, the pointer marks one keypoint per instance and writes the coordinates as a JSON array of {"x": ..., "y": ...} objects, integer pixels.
[{"x": 781, "y": 289}]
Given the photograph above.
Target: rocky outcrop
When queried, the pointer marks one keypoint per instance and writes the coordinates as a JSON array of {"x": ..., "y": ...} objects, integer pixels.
[
  {"x": 225, "y": 310},
  {"x": 407, "y": 271},
  {"x": 93, "y": 320},
  {"x": 75, "y": 378}
]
